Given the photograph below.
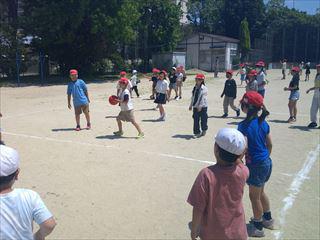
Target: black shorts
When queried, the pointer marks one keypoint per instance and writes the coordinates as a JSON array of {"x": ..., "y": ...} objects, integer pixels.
[{"x": 160, "y": 98}]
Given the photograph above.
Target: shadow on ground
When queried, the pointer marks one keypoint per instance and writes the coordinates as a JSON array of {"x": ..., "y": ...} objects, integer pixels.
[
  {"x": 278, "y": 121},
  {"x": 113, "y": 137},
  {"x": 62, "y": 129},
  {"x": 183, "y": 136},
  {"x": 302, "y": 128}
]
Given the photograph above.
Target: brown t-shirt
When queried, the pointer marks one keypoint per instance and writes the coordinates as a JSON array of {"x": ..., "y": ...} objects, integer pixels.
[{"x": 217, "y": 193}]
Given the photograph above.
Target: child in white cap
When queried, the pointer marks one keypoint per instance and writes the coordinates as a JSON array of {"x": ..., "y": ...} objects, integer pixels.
[
  {"x": 134, "y": 82},
  {"x": 20, "y": 207},
  {"x": 216, "y": 195}
]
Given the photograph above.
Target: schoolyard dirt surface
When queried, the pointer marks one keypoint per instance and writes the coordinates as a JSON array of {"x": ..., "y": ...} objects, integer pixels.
[{"x": 103, "y": 187}]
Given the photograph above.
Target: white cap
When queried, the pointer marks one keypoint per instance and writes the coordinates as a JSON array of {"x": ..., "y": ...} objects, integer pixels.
[
  {"x": 134, "y": 71},
  {"x": 9, "y": 161},
  {"x": 231, "y": 140},
  {"x": 174, "y": 68}
]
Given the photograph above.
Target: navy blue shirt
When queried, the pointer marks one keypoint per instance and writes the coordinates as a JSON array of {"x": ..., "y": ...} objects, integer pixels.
[
  {"x": 77, "y": 89},
  {"x": 256, "y": 134}
]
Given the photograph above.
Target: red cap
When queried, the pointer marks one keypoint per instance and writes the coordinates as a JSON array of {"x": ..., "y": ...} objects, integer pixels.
[
  {"x": 295, "y": 69},
  {"x": 112, "y": 100},
  {"x": 155, "y": 70},
  {"x": 164, "y": 72},
  {"x": 318, "y": 66},
  {"x": 123, "y": 73},
  {"x": 200, "y": 76},
  {"x": 260, "y": 64},
  {"x": 241, "y": 64},
  {"x": 252, "y": 98},
  {"x": 229, "y": 71},
  {"x": 124, "y": 80},
  {"x": 73, "y": 72},
  {"x": 253, "y": 73}
]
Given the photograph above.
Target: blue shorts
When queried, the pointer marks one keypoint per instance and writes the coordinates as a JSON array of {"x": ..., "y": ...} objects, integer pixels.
[
  {"x": 294, "y": 95},
  {"x": 259, "y": 174},
  {"x": 262, "y": 92}
]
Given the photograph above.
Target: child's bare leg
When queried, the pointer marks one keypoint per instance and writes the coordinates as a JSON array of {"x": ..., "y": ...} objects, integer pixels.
[
  {"x": 265, "y": 201},
  {"x": 255, "y": 198},
  {"x": 87, "y": 114},
  {"x": 119, "y": 125},
  {"x": 161, "y": 110},
  {"x": 137, "y": 126},
  {"x": 78, "y": 119},
  {"x": 295, "y": 110},
  {"x": 169, "y": 94}
]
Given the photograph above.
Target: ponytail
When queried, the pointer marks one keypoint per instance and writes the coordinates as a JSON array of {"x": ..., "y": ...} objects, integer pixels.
[{"x": 253, "y": 113}]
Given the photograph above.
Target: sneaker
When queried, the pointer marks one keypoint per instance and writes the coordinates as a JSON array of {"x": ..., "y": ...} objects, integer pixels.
[
  {"x": 312, "y": 125},
  {"x": 198, "y": 135},
  {"x": 88, "y": 126},
  {"x": 294, "y": 119},
  {"x": 269, "y": 224},
  {"x": 180, "y": 97},
  {"x": 203, "y": 133},
  {"x": 253, "y": 231},
  {"x": 224, "y": 115},
  {"x": 140, "y": 135},
  {"x": 238, "y": 112},
  {"x": 162, "y": 118},
  {"x": 78, "y": 128},
  {"x": 290, "y": 120},
  {"x": 176, "y": 98},
  {"x": 118, "y": 133}
]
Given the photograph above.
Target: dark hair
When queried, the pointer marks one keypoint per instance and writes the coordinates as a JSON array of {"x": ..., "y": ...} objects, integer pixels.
[
  {"x": 7, "y": 179},
  {"x": 194, "y": 88},
  {"x": 253, "y": 112},
  {"x": 227, "y": 156}
]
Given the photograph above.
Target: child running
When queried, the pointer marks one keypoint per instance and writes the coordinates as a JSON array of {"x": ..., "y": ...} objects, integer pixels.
[
  {"x": 216, "y": 195},
  {"x": 230, "y": 94},
  {"x": 162, "y": 94},
  {"x": 134, "y": 82},
  {"x": 79, "y": 91},
  {"x": 294, "y": 95},
  {"x": 308, "y": 71},
  {"x": 257, "y": 132},
  {"x": 243, "y": 73},
  {"x": 19, "y": 207},
  {"x": 126, "y": 114},
  {"x": 252, "y": 84},
  {"x": 199, "y": 104},
  {"x": 315, "y": 106},
  {"x": 154, "y": 79}
]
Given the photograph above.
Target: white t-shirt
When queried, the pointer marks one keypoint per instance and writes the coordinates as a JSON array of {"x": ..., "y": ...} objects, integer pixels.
[
  {"x": 129, "y": 86},
  {"x": 133, "y": 80},
  {"x": 179, "y": 77},
  {"x": 284, "y": 66},
  {"x": 162, "y": 86},
  {"x": 18, "y": 210},
  {"x": 128, "y": 105},
  {"x": 261, "y": 77}
]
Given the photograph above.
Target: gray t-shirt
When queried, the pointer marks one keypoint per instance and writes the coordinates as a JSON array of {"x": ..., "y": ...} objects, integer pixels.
[{"x": 252, "y": 86}]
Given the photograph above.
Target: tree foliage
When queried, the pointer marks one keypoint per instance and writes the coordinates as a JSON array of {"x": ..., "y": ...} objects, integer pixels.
[{"x": 244, "y": 37}]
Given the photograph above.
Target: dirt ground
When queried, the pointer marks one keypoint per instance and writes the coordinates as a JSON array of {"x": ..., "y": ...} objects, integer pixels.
[{"x": 102, "y": 187}]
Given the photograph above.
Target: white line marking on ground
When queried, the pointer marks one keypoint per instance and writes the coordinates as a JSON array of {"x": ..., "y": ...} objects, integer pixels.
[
  {"x": 108, "y": 146},
  {"x": 294, "y": 189}
]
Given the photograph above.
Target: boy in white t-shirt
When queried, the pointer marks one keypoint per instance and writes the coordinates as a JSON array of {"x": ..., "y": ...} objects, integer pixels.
[
  {"x": 123, "y": 74},
  {"x": 20, "y": 207},
  {"x": 134, "y": 82},
  {"x": 126, "y": 113}
]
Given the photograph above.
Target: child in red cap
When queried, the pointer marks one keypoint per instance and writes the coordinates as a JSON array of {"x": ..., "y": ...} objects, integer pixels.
[
  {"x": 230, "y": 94},
  {"x": 126, "y": 114},
  {"x": 199, "y": 104},
  {"x": 216, "y": 195},
  {"x": 123, "y": 74},
  {"x": 242, "y": 73},
  {"x": 154, "y": 79},
  {"x": 79, "y": 91},
  {"x": 162, "y": 94},
  {"x": 257, "y": 132},
  {"x": 294, "y": 94}
]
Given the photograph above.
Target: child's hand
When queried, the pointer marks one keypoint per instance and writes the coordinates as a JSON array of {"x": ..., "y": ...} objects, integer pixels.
[
  {"x": 221, "y": 96},
  {"x": 285, "y": 89},
  {"x": 190, "y": 108},
  {"x": 69, "y": 106}
]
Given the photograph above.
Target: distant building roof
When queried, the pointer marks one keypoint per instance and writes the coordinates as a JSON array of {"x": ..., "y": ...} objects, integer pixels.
[{"x": 217, "y": 38}]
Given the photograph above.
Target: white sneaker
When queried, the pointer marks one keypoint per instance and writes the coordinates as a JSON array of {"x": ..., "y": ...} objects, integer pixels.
[
  {"x": 253, "y": 231},
  {"x": 269, "y": 224}
]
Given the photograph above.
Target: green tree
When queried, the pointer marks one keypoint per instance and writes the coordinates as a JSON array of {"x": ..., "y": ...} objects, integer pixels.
[
  {"x": 244, "y": 37},
  {"x": 80, "y": 33}
]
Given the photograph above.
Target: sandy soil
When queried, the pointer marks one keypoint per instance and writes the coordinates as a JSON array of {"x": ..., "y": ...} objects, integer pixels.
[{"x": 102, "y": 187}]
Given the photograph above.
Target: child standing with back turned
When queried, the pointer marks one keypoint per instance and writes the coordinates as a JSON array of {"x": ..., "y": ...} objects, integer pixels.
[{"x": 216, "y": 195}]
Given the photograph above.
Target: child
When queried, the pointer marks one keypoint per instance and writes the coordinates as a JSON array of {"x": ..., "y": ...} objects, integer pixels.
[
  {"x": 162, "y": 94},
  {"x": 258, "y": 160},
  {"x": 78, "y": 89},
  {"x": 154, "y": 79},
  {"x": 123, "y": 74},
  {"x": 242, "y": 72},
  {"x": 230, "y": 94},
  {"x": 126, "y": 113},
  {"x": 294, "y": 95},
  {"x": 20, "y": 207},
  {"x": 307, "y": 71},
  {"x": 173, "y": 82},
  {"x": 180, "y": 80},
  {"x": 1, "y": 142},
  {"x": 315, "y": 106},
  {"x": 134, "y": 82},
  {"x": 261, "y": 78},
  {"x": 199, "y": 104},
  {"x": 252, "y": 84},
  {"x": 284, "y": 68},
  {"x": 216, "y": 195}
]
